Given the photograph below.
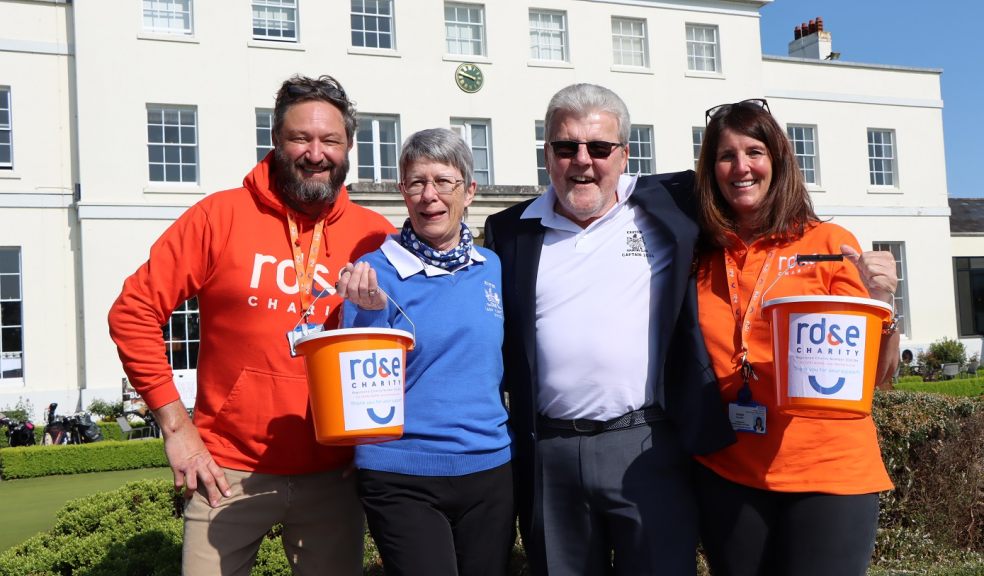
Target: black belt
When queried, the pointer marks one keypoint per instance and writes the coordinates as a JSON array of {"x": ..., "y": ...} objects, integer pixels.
[{"x": 584, "y": 426}]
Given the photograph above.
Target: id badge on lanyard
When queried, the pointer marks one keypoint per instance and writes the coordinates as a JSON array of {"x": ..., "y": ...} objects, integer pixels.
[
  {"x": 305, "y": 278},
  {"x": 746, "y": 415}
]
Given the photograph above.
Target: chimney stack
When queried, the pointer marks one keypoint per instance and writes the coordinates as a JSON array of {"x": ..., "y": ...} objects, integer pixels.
[{"x": 811, "y": 41}]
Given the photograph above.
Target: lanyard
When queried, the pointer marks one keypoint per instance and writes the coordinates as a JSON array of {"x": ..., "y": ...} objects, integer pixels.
[
  {"x": 731, "y": 267},
  {"x": 305, "y": 279}
]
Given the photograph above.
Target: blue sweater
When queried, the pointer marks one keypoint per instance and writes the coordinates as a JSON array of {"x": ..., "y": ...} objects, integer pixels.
[{"x": 455, "y": 420}]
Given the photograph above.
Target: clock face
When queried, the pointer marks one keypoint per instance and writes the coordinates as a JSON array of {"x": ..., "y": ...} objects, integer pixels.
[{"x": 469, "y": 77}]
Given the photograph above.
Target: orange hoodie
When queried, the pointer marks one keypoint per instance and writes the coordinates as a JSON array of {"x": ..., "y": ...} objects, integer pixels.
[{"x": 232, "y": 250}]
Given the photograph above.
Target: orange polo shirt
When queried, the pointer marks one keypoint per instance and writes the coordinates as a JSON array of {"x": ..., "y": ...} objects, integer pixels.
[{"x": 796, "y": 454}]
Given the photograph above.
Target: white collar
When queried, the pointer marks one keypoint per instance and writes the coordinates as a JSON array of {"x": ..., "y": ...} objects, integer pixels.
[{"x": 407, "y": 264}]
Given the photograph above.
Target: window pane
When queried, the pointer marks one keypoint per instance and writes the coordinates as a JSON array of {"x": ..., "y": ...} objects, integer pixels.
[
  {"x": 9, "y": 261},
  {"x": 803, "y": 139},
  {"x": 275, "y": 19},
  {"x": 11, "y": 315},
  {"x": 372, "y": 25},
  {"x": 881, "y": 157},
  {"x": 172, "y": 150},
  {"x": 629, "y": 44},
  {"x": 464, "y": 29},
  {"x": 548, "y": 35},
  {"x": 10, "y": 287},
  {"x": 901, "y": 301},
  {"x": 168, "y": 16},
  {"x": 264, "y": 132},
  {"x": 6, "y": 136},
  {"x": 10, "y": 312},
  {"x": 702, "y": 48},
  {"x": 376, "y": 145},
  {"x": 640, "y": 150}
]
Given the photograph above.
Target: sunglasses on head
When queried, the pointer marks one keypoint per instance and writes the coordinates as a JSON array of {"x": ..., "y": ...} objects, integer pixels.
[
  {"x": 326, "y": 88},
  {"x": 723, "y": 109},
  {"x": 597, "y": 149}
]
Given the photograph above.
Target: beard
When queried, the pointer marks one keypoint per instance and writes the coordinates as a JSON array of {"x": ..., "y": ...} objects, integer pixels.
[{"x": 297, "y": 190}]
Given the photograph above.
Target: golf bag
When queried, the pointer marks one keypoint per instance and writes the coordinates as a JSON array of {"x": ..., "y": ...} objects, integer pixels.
[{"x": 18, "y": 433}]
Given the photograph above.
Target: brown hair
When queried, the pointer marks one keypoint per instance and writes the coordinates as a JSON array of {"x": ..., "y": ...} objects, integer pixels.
[
  {"x": 786, "y": 210},
  {"x": 297, "y": 89}
]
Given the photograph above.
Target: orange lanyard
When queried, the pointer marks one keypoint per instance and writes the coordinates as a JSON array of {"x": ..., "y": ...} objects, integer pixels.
[
  {"x": 305, "y": 279},
  {"x": 734, "y": 291}
]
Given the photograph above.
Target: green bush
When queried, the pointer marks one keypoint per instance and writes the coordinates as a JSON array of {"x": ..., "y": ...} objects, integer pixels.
[
  {"x": 107, "y": 411},
  {"x": 134, "y": 530},
  {"x": 21, "y": 410},
  {"x": 34, "y": 461},
  {"x": 943, "y": 351},
  {"x": 932, "y": 446}
]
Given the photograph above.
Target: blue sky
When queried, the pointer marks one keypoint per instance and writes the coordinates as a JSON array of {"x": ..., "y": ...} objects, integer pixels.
[{"x": 944, "y": 34}]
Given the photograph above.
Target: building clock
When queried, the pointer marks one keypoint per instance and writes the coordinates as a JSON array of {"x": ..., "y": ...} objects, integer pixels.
[{"x": 469, "y": 77}]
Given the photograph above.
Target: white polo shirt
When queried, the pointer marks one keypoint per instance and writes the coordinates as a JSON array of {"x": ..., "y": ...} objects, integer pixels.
[{"x": 595, "y": 314}]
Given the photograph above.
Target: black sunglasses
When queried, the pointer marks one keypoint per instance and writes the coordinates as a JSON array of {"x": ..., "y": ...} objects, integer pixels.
[
  {"x": 723, "y": 109},
  {"x": 597, "y": 149}
]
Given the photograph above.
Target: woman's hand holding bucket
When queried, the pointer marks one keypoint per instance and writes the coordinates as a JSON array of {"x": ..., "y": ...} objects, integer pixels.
[
  {"x": 877, "y": 270},
  {"x": 357, "y": 283}
]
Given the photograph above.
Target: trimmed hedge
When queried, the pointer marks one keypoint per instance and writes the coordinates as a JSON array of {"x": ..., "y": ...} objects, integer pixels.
[
  {"x": 34, "y": 461},
  {"x": 966, "y": 387}
]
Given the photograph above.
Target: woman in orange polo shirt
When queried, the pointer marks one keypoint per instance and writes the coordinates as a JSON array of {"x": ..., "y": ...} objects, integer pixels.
[{"x": 794, "y": 495}]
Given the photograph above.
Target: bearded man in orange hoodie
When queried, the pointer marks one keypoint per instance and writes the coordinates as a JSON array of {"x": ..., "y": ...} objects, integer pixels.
[{"x": 257, "y": 257}]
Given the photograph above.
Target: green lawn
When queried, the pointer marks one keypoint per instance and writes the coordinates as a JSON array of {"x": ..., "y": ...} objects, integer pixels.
[
  {"x": 967, "y": 387},
  {"x": 29, "y": 506}
]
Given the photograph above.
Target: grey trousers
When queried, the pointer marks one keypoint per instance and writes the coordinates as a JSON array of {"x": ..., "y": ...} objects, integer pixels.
[{"x": 618, "y": 502}]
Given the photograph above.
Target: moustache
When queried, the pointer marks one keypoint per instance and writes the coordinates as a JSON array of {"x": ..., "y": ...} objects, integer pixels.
[{"x": 322, "y": 166}]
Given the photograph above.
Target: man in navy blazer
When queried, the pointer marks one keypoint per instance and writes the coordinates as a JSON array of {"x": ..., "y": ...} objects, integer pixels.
[{"x": 610, "y": 386}]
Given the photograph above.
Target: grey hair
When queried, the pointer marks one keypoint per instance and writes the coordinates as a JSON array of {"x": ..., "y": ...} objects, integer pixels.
[
  {"x": 438, "y": 145},
  {"x": 583, "y": 99}
]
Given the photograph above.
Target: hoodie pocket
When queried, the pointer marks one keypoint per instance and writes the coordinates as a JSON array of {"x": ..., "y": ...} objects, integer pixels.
[{"x": 265, "y": 415}]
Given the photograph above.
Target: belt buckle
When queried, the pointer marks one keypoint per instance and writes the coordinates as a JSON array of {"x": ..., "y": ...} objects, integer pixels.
[{"x": 583, "y": 425}]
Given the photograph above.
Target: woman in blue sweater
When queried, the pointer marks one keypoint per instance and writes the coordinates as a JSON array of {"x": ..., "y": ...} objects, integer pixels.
[{"x": 438, "y": 500}]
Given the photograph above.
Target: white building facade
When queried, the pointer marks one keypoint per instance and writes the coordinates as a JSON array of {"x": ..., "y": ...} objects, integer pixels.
[{"x": 117, "y": 115}]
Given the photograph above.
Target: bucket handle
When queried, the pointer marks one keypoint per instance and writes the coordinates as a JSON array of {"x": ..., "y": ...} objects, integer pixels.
[
  {"x": 796, "y": 259},
  {"x": 330, "y": 290},
  {"x": 413, "y": 327}
]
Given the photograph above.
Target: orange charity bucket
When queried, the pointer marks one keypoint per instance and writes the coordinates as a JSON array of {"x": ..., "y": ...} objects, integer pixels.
[
  {"x": 355, "y": 380},
  {"x": 825, "y": 351}
]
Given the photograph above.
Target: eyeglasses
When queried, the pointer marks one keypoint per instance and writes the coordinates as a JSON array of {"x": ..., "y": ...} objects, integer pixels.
[
  {"x": 597, "y": 149},
  {"x": 723, "y": 109},
  {"x": 444, "y": 186}
]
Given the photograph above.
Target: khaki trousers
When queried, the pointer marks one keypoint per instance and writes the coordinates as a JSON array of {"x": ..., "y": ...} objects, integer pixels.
[{"x": 321, "y": 516}]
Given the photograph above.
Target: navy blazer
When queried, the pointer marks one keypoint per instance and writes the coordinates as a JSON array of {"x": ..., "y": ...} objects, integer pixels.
[{"x": 686, "y": 387}]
